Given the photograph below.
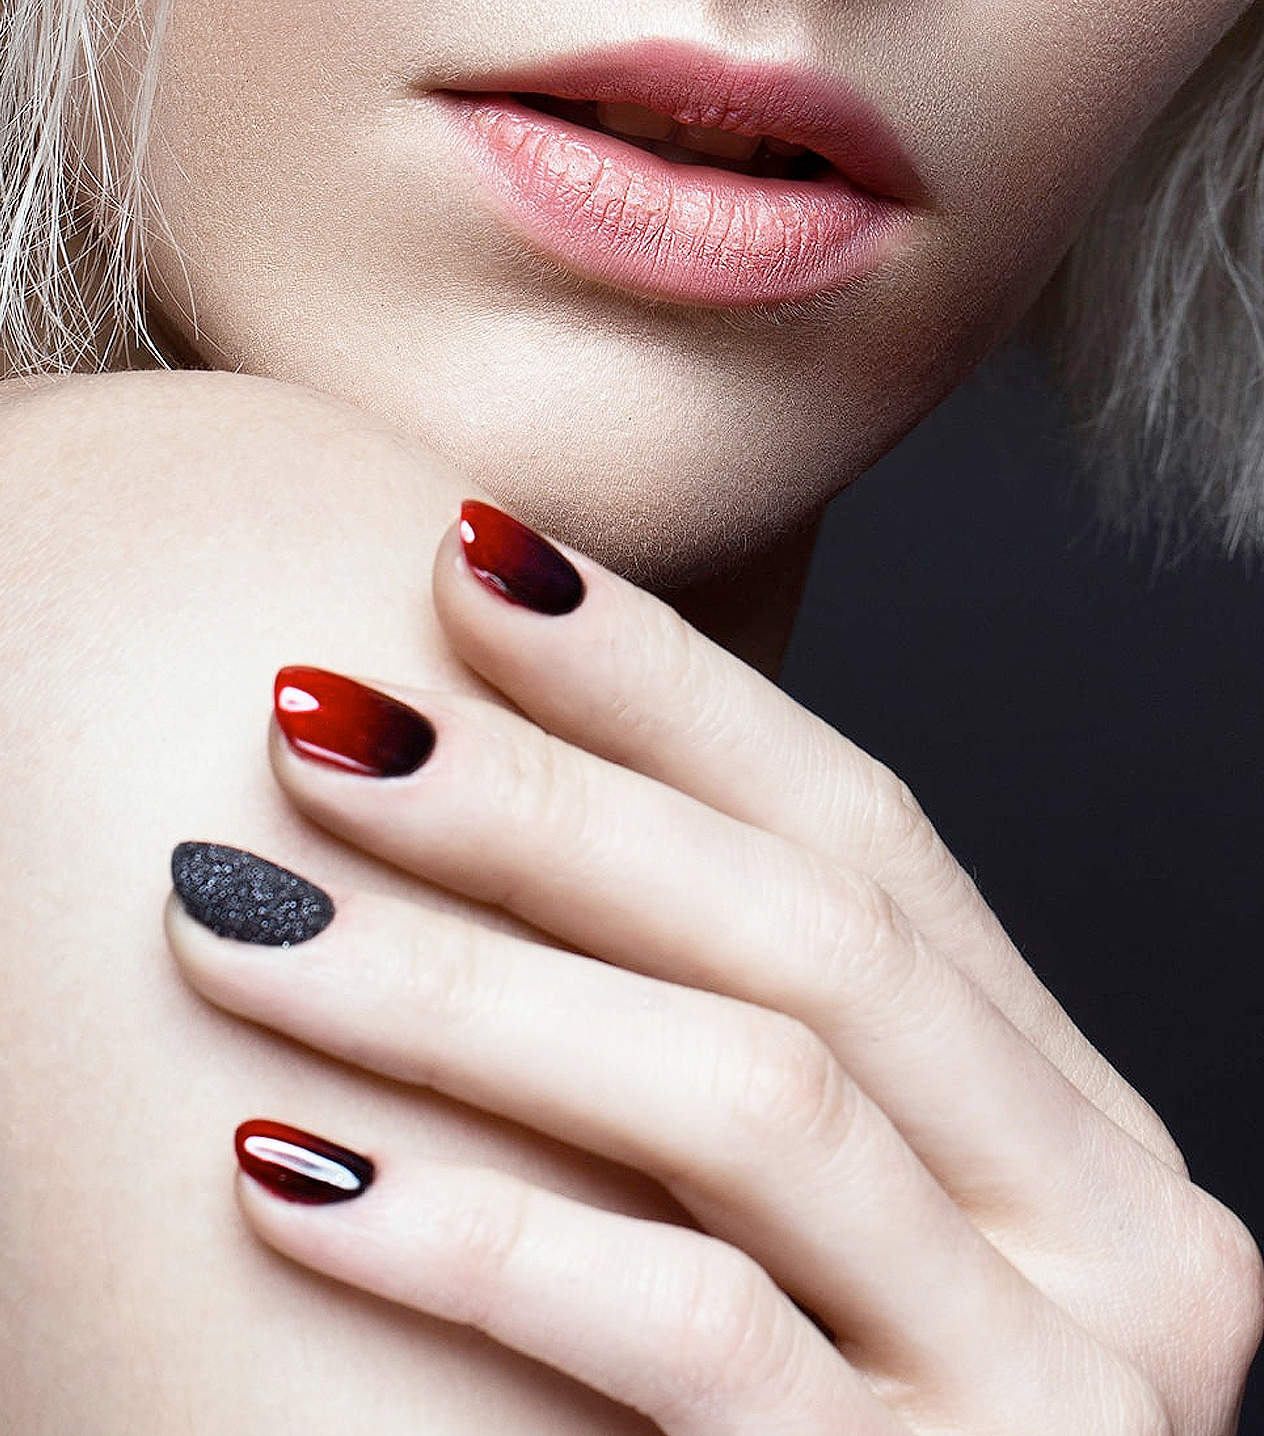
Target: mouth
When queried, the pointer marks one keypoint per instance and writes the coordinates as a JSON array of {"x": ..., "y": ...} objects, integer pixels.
[
  {"x": 760, "y": 156},
  {"x": 678, "y": 174}
]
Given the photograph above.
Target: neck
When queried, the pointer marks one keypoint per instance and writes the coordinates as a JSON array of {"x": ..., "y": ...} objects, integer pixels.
[{"x": 751, "y": 612}]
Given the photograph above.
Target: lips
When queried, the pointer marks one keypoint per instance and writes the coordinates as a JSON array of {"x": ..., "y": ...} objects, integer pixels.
[
  {"x": 677, "y": 175},
  {"x": 660, "y": 134}
]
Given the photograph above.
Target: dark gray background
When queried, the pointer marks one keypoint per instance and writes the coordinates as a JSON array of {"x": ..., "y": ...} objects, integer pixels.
[{"x": 1084, "y": 729}]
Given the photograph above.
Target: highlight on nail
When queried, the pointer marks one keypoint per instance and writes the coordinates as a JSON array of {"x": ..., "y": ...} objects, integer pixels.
[
  {"x": 516, "y": 563},
  {"x": 241, "y": 896},
  {"x": 299, "y": 1167},
  {"x": 343, "y": 724}
]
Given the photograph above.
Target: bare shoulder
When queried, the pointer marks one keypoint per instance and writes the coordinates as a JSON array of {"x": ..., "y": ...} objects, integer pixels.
[
  {"x": 159, "y": 555},
  {"x": 168, "y": 540},
  {"x": 166, "y": 543},
  {"x": 199, "y": 519},
  {"x": 118, "y": 467}
]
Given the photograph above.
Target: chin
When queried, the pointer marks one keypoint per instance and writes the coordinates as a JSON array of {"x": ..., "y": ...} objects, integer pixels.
[{"x": 669, "y": 526}]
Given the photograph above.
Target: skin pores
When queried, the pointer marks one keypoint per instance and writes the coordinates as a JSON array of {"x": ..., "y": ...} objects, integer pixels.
[{"x": 323, "y": 223}]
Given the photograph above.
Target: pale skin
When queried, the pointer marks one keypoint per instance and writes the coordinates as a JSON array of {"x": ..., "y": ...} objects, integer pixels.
[
  {"x": 335, "y": 237},
  {"x": 638, "y": 1046}
]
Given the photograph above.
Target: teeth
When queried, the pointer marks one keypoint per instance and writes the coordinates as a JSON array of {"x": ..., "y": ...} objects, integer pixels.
[
  {"x": 723, "y": 143},
  {"x": 637, "y": 123},
  {"x": 679, "y": 155},
  {"x": 632, "y": 120},
  {"x": 685, "y": 144},
  {"x": 785, "y": 149}
]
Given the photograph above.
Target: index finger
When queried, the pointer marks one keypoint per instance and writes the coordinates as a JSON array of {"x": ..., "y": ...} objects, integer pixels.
[{"x": 612, "y": 669}]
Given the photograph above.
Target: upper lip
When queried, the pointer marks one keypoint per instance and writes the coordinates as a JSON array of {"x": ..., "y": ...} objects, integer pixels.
[{"x": 698, "y": 86}]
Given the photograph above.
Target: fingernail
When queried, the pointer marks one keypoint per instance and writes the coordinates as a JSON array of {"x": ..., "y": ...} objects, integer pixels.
[
  {"x": 240, "y": 896},
  {"x": 298, "y": 1167},
  {"x": 334, "y": 720},
  {"x": 515, "y": 562}
]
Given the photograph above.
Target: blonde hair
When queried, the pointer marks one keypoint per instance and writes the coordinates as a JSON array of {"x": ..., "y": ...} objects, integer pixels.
[
  {"x": 73, "y": 188},
  {"x": 1159, "y": 315},
  {"x": 1159, "y": 308}
]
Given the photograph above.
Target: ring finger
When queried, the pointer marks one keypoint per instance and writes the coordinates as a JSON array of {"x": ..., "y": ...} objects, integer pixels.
[{"x": 741, "y": 1112}]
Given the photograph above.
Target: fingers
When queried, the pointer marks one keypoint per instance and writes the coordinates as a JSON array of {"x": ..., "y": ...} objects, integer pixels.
[
  {"x": 669, "y": 1322},
  {"x": 782, "y": 1049},
  {"x": 638, "y": 874},
  {"x": 623, "y": 677},
  {"x": 742, "y": 1113}
]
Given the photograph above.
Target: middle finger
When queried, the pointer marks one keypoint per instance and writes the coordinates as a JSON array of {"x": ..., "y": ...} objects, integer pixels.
[{"x": 638, "y": 874}]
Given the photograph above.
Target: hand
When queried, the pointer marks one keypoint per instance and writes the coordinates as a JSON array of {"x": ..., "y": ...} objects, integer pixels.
[{"x": 801, "y": 1020}]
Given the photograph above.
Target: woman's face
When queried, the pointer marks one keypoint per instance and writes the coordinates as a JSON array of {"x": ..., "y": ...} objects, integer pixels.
[{"x": 646, "y": 356}]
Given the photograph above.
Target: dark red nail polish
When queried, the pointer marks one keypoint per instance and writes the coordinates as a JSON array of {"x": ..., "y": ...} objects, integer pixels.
[
  {"x": 334, "y": 720},
  {"x": 515, "y": 562},
  {"x": 298, "y": 1167}
]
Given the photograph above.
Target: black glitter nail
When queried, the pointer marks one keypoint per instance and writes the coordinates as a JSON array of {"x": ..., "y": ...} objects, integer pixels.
[{"x": 243, "y": 897}]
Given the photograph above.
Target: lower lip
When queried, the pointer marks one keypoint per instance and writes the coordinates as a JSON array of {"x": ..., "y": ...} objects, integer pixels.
[{"x": 687, "y": 234}]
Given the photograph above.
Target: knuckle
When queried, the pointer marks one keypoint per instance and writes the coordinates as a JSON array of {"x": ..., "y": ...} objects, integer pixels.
[
  {"x": 662, "y": 654},
  {"x": 663, "y": 651},
  {"x": 1227, "y": 1288},
  {"x": 538, "y": 794},
  {"x": 859, "y": 936},
  {"x": 783, "y": 1081},
  {"x": 1207, "y": 1326},
  {"x": 442, "y": 978},
  {"x": 724, "y": 1328},
  {"x": 481, "y": 1237},
  {"x": 523, "y": 777},
  {"x": 893, "y": 818},
  {"x": 898, "y": 838}
]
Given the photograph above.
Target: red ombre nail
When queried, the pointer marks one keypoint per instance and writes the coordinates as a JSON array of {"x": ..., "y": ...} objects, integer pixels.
[
  {"x": 298, "y": 1167},
  {"x": 515, "y": 562},
  {"x": 334, "y": 720}
]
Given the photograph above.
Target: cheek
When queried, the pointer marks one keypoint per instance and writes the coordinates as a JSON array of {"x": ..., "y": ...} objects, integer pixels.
[
  {"x": 225, "y": 96},
  {"x": 1045, "y": 103},
  {"x": 247, "y": 88},
  {"x": 240, "y": 128},
  {"x": 1065, "y": 89}
]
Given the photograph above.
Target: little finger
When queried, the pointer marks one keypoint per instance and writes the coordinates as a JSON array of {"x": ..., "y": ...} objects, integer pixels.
[{"x": 664, "y": 1320}]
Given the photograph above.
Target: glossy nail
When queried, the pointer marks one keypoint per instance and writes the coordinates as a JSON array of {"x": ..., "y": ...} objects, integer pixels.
[
  {"x": 243, "y": 897},
  {"x": 298, "y": 1167},
  {"x": 515, "y": 562},
  {"x": 339, "y": 722}
]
